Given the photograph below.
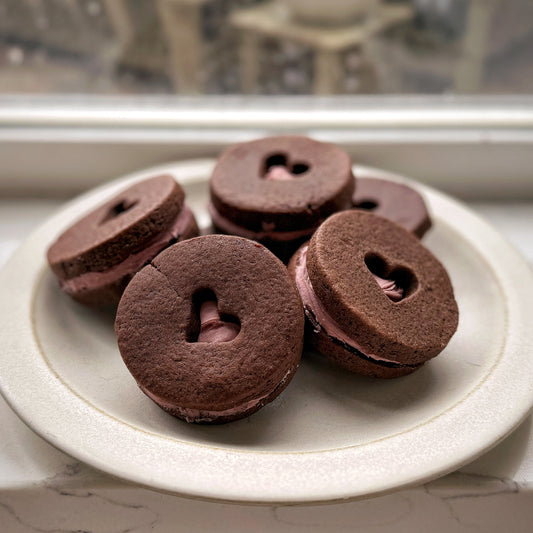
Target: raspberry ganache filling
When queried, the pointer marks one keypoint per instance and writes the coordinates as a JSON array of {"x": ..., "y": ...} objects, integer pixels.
[
  {"x": 190, "y": 414},
  {"x": 278, "y": 173},
  {"x": 389, "y": 287},
  {"x": 135, "y": 261},
  {"x": 213, "y": 328},
  {"x": 322, "y": 320},
  {"x": 268, "y": 233}
]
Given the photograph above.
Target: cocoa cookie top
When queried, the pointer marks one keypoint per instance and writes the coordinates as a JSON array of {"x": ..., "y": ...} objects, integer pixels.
[
  {"x": 120, "y": 227},
  {"x": 165, "y": 315},
  {"x": 394, "y": 201},
  {"x": 352, "y": 260},
  {"x": 281, "y": 183}
]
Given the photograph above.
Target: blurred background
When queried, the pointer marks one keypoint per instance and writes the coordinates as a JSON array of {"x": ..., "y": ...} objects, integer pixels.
[
  {"x": 438, "y": 90},
  {"x": 266, "y": 47}
]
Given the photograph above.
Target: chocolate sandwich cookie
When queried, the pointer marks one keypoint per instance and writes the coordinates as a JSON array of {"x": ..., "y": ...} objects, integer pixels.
[
  {"x": 278, "y": 190},
  {"x": 96, "y": 257},
  {"x": 377, "y": 301},
  {"x": 394, "y": 201},
  {"x": 212, "y": 329}
]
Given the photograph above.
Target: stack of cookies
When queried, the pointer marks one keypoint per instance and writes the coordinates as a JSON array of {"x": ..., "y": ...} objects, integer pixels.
[{"x": 213, "y": 327}]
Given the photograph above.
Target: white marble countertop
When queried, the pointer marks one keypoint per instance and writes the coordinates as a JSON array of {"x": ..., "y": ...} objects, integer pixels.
[{"x": 42, "y": 489}]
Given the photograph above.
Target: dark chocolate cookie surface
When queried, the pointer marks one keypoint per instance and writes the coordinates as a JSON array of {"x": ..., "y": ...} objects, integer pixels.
[
  {"x": 395, "y": 201},
  {"x": 165, "y": 340},
  {"x": 96, "y": 256},
  {"x": 342, "y": 258},
  {"x": 281, "y": 184},
  {"x": 108, "y": 234},
  {"x": 377, "y": 292}
]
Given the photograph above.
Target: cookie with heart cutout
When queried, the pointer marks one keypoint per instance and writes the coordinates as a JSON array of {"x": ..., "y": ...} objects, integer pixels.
[
  {"x": 95, "y": 258},
  {"x": 212, "y": 329},
  {"x": 278, "y": 190},
  {"x": 395, "y": 201},
  {"x": 377, "y": 301}
]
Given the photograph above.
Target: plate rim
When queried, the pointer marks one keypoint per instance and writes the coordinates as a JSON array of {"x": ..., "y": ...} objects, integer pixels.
[{"x": 193, "y": 171}]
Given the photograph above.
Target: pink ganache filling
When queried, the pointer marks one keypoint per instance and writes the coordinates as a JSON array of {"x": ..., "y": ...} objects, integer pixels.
[
  {"x": 135, "y": 261},
  {"x": 278, "y": 173},
  {"x": 204, "y": 415},
  {"x": 389, "y": 287},
  {"x": 321, "y": 319},
  {"x": 212, "y": 328},
  {"x": 268, "y": 231}
]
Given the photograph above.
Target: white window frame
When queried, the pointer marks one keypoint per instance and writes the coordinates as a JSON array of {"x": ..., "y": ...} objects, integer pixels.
[{"x": 473, "y": 147}]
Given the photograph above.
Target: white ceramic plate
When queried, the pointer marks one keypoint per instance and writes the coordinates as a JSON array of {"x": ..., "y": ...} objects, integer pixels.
[{"x": 329, "y": 436}]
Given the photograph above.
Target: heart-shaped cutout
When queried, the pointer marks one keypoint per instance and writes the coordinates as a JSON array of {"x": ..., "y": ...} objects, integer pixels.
[
  {"x": 367, "y": 204},
  {"x": 117, "y": 209},
  {"x": 280, "y": 167},
  {"x": 397, "y": 282},
  {"x": 209, "y": 324}
]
